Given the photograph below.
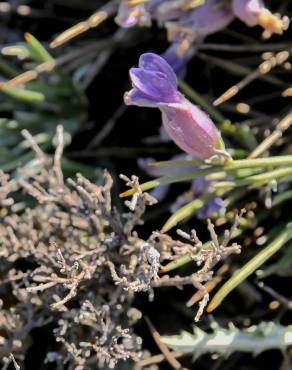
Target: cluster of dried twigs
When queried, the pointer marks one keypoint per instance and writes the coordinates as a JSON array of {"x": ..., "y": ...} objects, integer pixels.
[{"x": 83, "y": 262}]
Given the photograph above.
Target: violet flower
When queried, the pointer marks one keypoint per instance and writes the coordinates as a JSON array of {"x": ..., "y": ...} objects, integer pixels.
[
  {"x": 155, "y": 85},
  {"x": 254, "y": 12}
]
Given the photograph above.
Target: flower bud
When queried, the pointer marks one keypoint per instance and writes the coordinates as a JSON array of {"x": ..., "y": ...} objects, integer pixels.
[{"x": 155, "y": 85}]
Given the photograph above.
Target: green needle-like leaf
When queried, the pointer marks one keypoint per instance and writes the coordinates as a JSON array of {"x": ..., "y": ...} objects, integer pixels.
[
  {"x": 22, "y": 94},
  {"x": 251, "y": 266},
  {"x": 36, "y": 48}
]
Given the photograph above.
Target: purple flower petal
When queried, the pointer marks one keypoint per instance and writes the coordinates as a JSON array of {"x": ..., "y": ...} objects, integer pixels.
[
  {"x": 247, "y": 10},
  {"x": 153, "y": 62},
  {"x": 160, "y": 192},
  {"x": 136, "y": 97},
  {"x": 154, "y": 85},
  {"x": 204, "y": 20}
]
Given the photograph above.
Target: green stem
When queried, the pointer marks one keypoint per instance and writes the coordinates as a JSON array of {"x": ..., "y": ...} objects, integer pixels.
[
  {"x": 7, "y": 69},
  {"x": 251, "y": 266},
  {"x": 219, "y": 171},
  {"x": 176, "y": 264},
  {"x": 180, "y": 177},
  {"x": 283, "y": 160},
  {"x": 186, "y": 211},
  {"x": 255, "y": 180}
]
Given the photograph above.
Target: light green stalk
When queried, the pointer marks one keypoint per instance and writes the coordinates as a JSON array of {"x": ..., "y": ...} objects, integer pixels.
[{"x": 251, "y": 266}]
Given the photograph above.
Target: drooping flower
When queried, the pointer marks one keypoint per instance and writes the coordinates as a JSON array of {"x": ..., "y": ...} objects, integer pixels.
[
  {"x": 132, "y": 15},
  {"x": 155, "y": 85},
  {"x": 254, "y": 12}
]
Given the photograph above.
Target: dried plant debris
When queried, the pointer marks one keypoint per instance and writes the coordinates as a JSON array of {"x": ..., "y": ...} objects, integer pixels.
[{"x": 81, "y": 263}]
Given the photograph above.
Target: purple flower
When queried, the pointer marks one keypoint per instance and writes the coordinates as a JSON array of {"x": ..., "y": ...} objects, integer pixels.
[
  {"x": 254, "y": 12},
  {"x": 155, "y": 85},
  {"x": 132, "y": 15}
]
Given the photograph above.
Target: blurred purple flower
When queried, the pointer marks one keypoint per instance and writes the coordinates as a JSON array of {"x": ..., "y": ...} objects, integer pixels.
[
  {"x": 155, "y": 85},
  {"x": 247, "y": 10},
  {"x": 254, "y": 12},
  {"x": 132, "y": 15},
  {"x": 161, "y": 191},
  {"x": 213, "y": 206},
  {"x": 210, "y": 17},
  {"x": 178, "y": 60},
  {"x": 199, "y": 187},
  {"x": 204, "y": 20},
  {"x": 165, "y": 10}
]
